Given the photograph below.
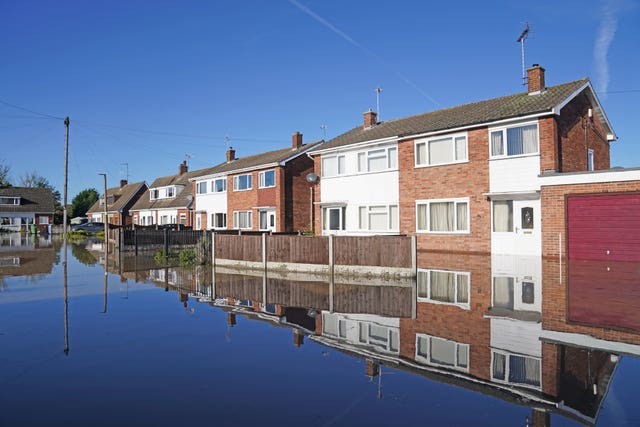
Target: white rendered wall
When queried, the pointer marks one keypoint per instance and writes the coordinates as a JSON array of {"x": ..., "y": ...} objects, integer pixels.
[{"x": 514, "y": 174}]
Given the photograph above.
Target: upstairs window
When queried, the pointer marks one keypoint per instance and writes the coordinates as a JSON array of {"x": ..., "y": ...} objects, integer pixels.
[
  {"x": 333, "y": 165},
  {"x": 219, "y": 185},
  {"x": 441, "y": 150},
  {"x": 201, "y": 187},
  {"x": 4, "y": 200},
  {"x": 171, "y": 191},
  {"x": 267, "y": 179},
  {"x": 590, "y": 164},
  {"x": 514, "y": 141},
  {"x": 242, "y": 182},
  {"x": 378, "y": 160}
]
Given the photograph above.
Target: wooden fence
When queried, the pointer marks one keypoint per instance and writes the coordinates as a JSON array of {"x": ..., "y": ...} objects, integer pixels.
[{"x": 345, "y": 255}]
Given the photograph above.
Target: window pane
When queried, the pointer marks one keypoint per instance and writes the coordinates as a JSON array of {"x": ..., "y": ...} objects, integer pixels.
[
  {"x": 263, "y": 220},
  {"x": 362, "y": 162},
  {"x": 393, "y": 158},
  {"x": 377, "y": 160},
  {"x": 497, "y": 145},
  {"x": 329, "y": 166},
  {"x": 461, "y": 217},
  {"x": 462, "y": 294},
  {"x": 334, "y": 219},
  {"x": 394, "y": 345},
  {"x": 442, "y": 352},
  {"x": 524, "y": 370},
  {"x": 440, "y": 151},
  {"x": 527, "y": 218},
  {"x": 503, "y": 215},
  {"x": 394, "y": 218},
  {"x": 423, "y": 283},
  {"x": 463, "y": 356},
  {"x": 421, "y": 154},
  {"x": 499, "y": 363},
  {"x": 522, "y": 140},
  {"x": 422, "y": 347},
  {"x": 441, "y": 216},
  {"x": 378, "y": 220},
  {"x": 461, "y": 148},
  {"x": 422, "y": 217},
  {"x": 503, "y": 292},
  {"x": 362, "y": 218},
  {"x": 341, "y": 165},
  {"x": 443, "y": 286}
]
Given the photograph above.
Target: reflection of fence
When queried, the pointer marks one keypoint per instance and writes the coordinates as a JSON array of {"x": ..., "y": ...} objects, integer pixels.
[{"x": 347, "y": 255}]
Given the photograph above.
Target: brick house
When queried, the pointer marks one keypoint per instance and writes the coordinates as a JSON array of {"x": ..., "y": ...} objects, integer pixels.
[
  {"x": 119, "y": 202},
  {"x": 168, "y": 200},
  {"x": 22, "y": 206},
  {"x": 465, "y": 178},
  {"x": 267, "y": 191}
]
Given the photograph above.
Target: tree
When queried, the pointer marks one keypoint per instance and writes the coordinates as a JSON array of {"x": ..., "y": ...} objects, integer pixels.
[
  {"x": 4, "y": 175},
  {"x": 33, "y": 180},
  {"x": 83, "y": 201}
]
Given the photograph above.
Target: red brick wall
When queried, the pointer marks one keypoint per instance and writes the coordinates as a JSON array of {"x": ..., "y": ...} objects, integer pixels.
[
  {"x": 451, "y": 322},
  {"x": 554, "y": 208},
  {"x": 186, "y": 212},
  {"x": 574, "y": 143},
  {"x": 297, "y": 195},
  {"x": 243, "y": 200},
  {"x": 470, "y": 179},
  {"x": 548, "y": 134}
]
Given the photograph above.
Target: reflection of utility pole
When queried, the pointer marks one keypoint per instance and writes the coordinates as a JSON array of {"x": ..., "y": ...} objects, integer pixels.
[
  {"x": 106, "y": 217},
  {"x": 66, "y": 300}
]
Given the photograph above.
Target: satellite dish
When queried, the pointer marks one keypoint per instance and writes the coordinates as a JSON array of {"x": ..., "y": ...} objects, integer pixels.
[{"x": 312, "y": 178}]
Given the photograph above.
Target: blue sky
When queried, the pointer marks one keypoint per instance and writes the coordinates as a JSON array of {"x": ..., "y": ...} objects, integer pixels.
[{"x": 149, "y": 84}]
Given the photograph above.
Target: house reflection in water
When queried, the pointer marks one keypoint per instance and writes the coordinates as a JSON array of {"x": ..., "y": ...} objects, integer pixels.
[
  {"x": 26, "y": 255},
  {"x": 536, "y": 332}
]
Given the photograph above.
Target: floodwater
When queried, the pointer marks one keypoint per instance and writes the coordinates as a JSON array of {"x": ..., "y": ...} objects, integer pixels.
[{"x": 479, "y": 340}]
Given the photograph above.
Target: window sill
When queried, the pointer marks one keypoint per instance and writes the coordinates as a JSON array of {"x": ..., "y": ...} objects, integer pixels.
[
  {"x": 461, "y": 162},
  {"x": 519, "y": 156}
]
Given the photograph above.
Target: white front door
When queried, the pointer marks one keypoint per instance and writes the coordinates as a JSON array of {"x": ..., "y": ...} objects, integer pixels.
[
  {"x": 516, "y": 227},
  {"x": 268, "y": 220}
]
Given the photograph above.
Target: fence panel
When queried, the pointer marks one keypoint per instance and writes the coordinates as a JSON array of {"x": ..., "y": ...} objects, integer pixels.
[
  {"x": 387, "y": 251},
  {"x": 298, "y": 249},
  {"x": 381, "y": 300},
  {"x": 240, "y": 248}
]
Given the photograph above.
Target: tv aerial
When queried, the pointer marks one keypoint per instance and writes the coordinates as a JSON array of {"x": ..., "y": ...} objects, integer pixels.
[{"x": 521, "y": 39}]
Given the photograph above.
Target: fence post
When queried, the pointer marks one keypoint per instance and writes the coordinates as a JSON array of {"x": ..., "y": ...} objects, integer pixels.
[
  {"x": 135, "y": 241},
  {"x": 213, "y": 248},
  {"x": 331, "y": 284},
  {"x": 414, "y": 256},
  {"x": 166, "y": 242},
  {"x": 264, "y": 251},
  {"x": 414, "y": 276}
]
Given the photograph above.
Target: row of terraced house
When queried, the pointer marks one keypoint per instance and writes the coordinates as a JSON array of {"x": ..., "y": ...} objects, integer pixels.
[{"x": 527, "y": 174}]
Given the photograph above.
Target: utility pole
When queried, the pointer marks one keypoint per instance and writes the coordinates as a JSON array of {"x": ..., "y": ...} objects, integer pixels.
[
  {"x": 106, "y": 217},
  {"x": 66, "y": 177}
]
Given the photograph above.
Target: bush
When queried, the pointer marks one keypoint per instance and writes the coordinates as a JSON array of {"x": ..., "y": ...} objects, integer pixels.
[{"x": 187, "y": 257}]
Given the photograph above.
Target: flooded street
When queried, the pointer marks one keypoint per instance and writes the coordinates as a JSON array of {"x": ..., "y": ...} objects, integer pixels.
[{"x": 478, "y": 340}]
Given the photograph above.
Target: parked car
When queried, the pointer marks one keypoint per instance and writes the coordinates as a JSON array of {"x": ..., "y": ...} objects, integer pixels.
[{"x": 90, "y": 227}]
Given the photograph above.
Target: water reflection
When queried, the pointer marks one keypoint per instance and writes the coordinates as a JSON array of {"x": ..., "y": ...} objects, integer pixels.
[{"x": 545, "y": 335}]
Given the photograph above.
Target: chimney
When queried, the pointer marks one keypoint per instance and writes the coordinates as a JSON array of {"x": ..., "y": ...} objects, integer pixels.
[
  {"x": 123, "y": 182},
  {"x": 535, "y": 77},
  {"x": 231, "y": 154},
  {"x": 183, "y": 168},
  {"x": 370, "y": 118},
  {"x": 296, "y": 140}
]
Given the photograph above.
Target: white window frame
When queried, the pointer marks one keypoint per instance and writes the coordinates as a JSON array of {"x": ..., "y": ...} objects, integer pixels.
[
  {"x": 43, "y": 220},
  {"x": 390, "y": 154},
  {"x": 455, "y": 201},
  {"x": 248, "y": 219},
  {"x": 505, "y": 144},
  {"x": 367, "y": 211},
  {"x": 507, "y": 355},
  {"x": 339, "y": 168},
  {"x": 214, "y": 220},
  {"x": 428, "y": 359},
  {"x": 236, "y": 182},
  {"x": 214, "y": 188},
  {"x": 9, "y": 201},
  {"x": 590, "y": 159},
  {"x": 427, "y": 273},
  {"x": 170, "y": 192},
  {"x": 183, "y": 219},
  {"x": 340, "y": 323},
  {"x": 154, "y": 194},
  {"x": 262, "y": 177},
  {"x": 201, "y": 187},
  {"x": 341, "y": 218},
  {"x": 453, "y": 137},
  {"x": 387, "y": 343}
]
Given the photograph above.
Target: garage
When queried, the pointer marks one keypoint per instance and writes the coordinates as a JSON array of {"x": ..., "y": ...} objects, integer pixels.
[{"x": 604, "y": 227}]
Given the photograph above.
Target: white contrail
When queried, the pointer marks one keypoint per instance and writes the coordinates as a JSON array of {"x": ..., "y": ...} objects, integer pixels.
[
  {"x": 351, "y": 41},
  {"x": 606, "y": 33}
]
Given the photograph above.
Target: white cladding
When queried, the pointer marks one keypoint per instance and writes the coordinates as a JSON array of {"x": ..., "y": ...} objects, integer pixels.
[
  {"x": 514, "y": 174},
  {"x": 516, "y": 336},
  {"x": 211, "y": 203}
]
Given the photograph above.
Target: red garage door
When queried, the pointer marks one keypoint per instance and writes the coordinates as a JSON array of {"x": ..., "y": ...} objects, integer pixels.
[{"x": 604, "y": 227}]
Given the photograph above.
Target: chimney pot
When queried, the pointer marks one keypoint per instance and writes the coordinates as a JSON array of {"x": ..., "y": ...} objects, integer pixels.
[
  {"x": 183, "y": 168},
  {"x": 296, "y": 140},
  {"x": 370, "y": 118},
  {"x": 535, "y": 79},
  {"x": 123, "y": 182},
  {"x": 231, "y": 154}
]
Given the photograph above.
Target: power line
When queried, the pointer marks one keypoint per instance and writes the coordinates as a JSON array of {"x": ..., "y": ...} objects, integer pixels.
[
  {"x": 30, "y": 111},
  {"x": 621, "y": 91}
]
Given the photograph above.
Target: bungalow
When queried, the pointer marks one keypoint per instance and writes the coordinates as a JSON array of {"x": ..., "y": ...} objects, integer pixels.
[
  {"x": 267, "y": 191},
  {"x": 22, "y": 206},
  {"x": 168, "y": 200},
  {"x": 466, "y": 178},
  {"x": 119, "y": 202}
]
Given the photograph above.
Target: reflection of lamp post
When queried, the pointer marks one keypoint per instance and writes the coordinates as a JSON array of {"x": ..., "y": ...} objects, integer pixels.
[
  {"x": 312, "y": 178},
  {"x": 106, "y": 217}
]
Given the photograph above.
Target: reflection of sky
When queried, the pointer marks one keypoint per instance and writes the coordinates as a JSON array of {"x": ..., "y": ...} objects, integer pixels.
[{"x": 149, "y": 361}]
